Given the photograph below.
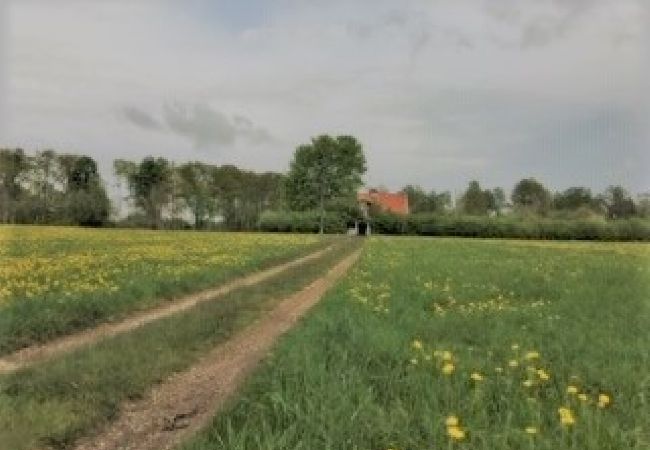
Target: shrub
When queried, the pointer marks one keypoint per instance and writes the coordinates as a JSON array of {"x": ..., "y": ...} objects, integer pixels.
[
  {"x": 513, "y": 227},
  {"x": 301, "y": 222}
]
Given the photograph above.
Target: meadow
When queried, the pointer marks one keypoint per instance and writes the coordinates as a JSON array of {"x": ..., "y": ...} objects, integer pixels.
[
  {"x": 55, "y": 280},
  {"x": 461, "y": 344},
  {"x": 55, "y": 402}
]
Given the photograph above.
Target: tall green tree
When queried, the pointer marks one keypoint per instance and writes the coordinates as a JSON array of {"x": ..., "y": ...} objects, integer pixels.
[
  {"x": 150, "y": 185},
  {"x": 85, "y": 199},
  {"x": 475, "y": 201},
  {"x": 327, "y": 168},
  {"x": 422, "y": 202},
  {"x": 531, "y": 195},
  {"x": 13, "y": 167},
  {"x": 497, "y": 200},
  {"x": 574, "y": 198},
  {"x": 619, "y": 203},
  {"x": 196, "y": 190}
]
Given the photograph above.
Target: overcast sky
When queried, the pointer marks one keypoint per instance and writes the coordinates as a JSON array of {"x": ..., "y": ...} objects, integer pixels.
[{"x": 438, "y": 91}]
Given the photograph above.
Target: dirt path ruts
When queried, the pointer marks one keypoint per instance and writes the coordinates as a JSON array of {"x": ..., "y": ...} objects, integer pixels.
[
  {"x": 31, "y": 355},
  {"x": 187, "y": 401}
]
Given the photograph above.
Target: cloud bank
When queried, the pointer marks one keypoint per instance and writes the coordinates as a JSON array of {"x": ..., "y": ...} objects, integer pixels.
[{"x": 439, "y": 92}]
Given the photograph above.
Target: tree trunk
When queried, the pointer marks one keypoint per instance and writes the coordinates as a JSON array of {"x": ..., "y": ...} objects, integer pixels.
[{"x": 322, "y": 211}]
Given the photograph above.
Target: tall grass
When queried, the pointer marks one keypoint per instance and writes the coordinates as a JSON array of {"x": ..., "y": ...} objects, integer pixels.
[{"x": 366, "y": 370}]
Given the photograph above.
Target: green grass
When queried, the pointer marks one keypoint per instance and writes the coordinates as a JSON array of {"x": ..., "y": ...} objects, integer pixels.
[
  {"x": 56, "y": 280},
  {"x": 56, "y": 402},
  {"x": 352, "y": 376}
]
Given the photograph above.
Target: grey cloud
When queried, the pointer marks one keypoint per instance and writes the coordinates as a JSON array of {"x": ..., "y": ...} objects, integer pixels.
[
  {"x": 412, "y": 25},
  {"x": 541, "y": 22},
  {"x": 207, "y": 127},
  {"x": 140, "y": 118},
  {"x": 204, "y": 126}
]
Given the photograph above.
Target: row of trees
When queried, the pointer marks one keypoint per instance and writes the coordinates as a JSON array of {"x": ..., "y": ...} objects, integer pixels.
[
  {"x": 530, "y": 197},
  {"x": 234, "y": 198},
  {"x": 51, "y": 188},
  {"x": 323, "y": 179}
]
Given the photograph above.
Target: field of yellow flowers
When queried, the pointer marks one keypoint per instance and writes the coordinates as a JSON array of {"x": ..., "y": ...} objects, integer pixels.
[
  {"x": 462, "y": 344},
  {"x": 54, "y": 280}
]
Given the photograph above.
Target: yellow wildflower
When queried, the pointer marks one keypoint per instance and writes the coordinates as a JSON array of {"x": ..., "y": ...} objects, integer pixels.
[
  {"x": 456, "y": 433},
  {"x": 448, "y": 368},
  {"x": 572, "y": 390},
  {"x": 543, "y": 375},
  {"x": 583, "y": 397},
  {"x": 476, "y": 376},
  {"x": 531, "y": 430},
  {"x": 532, "y": 355},
  {"x": 447, "y": 356},
  {"x": 566, "y": 416},
  {"x": 416, "y": 344},
  {"x": 452, "y": 421},
  {"x": 604, "y": 400}
]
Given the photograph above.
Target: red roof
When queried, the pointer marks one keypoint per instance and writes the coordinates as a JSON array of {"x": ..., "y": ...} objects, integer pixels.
[{"x": 397, "y": 203}]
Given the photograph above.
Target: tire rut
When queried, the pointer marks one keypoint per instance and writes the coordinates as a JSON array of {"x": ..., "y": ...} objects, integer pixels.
[{"x": 187, "y": 401}]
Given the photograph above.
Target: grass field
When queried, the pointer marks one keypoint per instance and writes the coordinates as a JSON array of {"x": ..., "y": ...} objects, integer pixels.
[
  {"x": 56, "y": 280},
  {"x": 55, "y": 402},
  {"x": 468, "y": 344}
]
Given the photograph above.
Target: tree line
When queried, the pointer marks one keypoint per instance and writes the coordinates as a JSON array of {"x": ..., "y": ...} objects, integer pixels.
[
  {"x": 55, "y": 188},
  {"x": 322, "y": 182},
  {"x": 531, "y": 198}
]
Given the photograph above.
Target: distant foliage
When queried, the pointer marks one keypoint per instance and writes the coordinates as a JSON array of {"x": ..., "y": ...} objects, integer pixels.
[
  {"x": 51, "y": 188},
  {"x": 512, "y": 227},
  {"x": 302, "y": 222}
]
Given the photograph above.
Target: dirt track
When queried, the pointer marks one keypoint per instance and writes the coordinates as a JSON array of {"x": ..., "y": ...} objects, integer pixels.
[
  {"x": 30, "y": 355},
  {"x": 185, "y": 402}
]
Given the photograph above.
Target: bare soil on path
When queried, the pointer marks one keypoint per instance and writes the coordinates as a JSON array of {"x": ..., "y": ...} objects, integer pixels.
[
  {"x": 187, "y": 401},
  {"x": 37, "y": 353}
]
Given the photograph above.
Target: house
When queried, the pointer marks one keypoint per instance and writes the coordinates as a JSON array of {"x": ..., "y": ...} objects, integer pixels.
[
  {"x": 395, "y": 203},
  {"x": 373, "y": 200}
]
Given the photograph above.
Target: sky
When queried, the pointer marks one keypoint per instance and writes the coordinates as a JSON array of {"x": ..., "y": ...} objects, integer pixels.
[{"x": 438, "y": 91}]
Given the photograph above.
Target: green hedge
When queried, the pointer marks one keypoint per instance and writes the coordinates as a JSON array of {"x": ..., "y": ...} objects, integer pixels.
[
  {"x": 468, "y": 226},
  {"x": 301, "y": 222},
  {"x": 513, "y": 227}
]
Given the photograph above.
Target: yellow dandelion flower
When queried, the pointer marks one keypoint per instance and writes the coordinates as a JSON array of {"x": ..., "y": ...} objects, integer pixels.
[
  {"x": 447, "y": 356},
  {"x": 416, "y": 344},
  {"x": 543, "y": 375},
  {"x": 452, "y": 421},
  {"x": 476, "y": 376},
  {"x": 604, "y": 400},
  {"x": 456, "y": 433},
  {"x": 448, "y": 368},
  {"x": 531, "y": 355},
  {"x": 572, "y": 390},
  {"x": 531, "y": 430},
  {"x": 583, "y": 397},
  {"x": 566, "y": 416}
]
